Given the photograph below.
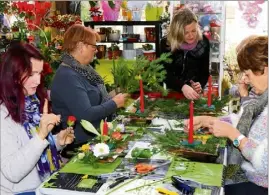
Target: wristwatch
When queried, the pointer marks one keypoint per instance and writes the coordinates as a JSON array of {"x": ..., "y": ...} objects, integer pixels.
[{"x": 237, "y": 141}]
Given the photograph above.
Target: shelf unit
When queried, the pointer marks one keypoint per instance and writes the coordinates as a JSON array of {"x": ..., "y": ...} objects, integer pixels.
[{"x": 128, "y": 27}]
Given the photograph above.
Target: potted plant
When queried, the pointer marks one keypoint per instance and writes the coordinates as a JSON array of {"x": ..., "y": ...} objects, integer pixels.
[
  {"x": 152, "y": 74},
  {"x": 153, "y": 11},
  {"x": 113, "y": 52},
  {"x": 121, "y": 75},
  {"x": 111, "y": 9},
  {"x": 148, "y": 52},
  {"x": 95, "y": 13}
]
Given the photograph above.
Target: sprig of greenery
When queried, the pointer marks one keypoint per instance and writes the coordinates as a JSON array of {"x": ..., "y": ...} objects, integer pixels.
[
  {"x": 121, "y": 74},
  {"x": 171, "y": 140},
  {"x": 182, "y": 106},
  {"x": 151, "y": 72}
]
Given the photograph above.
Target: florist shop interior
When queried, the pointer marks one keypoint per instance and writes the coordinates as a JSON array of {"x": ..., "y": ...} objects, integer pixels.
[{"x": 149, "y": 95}]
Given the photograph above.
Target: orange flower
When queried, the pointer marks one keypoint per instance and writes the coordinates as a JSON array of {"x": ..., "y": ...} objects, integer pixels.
[{"x": 116, "y": 135}]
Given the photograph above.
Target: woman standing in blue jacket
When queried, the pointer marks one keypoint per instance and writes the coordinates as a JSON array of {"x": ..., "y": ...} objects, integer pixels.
[{"x": 188, "y": 73}]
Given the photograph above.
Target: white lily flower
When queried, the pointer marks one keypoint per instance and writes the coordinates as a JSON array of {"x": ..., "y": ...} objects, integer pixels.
[
  {"x": 100, "y": 149},
  {"x": 81, "y": 155}
]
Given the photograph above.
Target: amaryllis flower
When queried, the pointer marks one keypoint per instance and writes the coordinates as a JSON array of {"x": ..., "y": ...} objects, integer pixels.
[
  {"x": 100, "y": 149},
  {"x": 71, "y": 121},
  {"x": 116, "y": 135}
]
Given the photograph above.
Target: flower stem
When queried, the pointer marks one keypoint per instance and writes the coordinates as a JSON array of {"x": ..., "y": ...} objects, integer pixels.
[
  {"x": 149, "y": 184},
  {"x": 125, "y": 183}
]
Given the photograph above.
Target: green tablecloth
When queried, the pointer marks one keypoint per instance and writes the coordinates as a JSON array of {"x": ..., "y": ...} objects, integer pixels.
[{"x": 76, "y": 166}]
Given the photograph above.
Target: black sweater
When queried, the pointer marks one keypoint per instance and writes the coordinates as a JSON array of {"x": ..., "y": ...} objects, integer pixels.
[{"x": 187, "y": 65}]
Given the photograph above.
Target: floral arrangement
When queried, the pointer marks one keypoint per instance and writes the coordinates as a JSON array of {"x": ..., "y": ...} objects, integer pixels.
[
  {"x": 56, "y": 44},
  {"x": 31, "y": 13},
  {"x": 96, "y": 14},
  {"x": 109, "y": 143},
  {"x": 71, "y": 121},
  {"x": 62, "y": 21},
  {"x": 147, "y": 47}
]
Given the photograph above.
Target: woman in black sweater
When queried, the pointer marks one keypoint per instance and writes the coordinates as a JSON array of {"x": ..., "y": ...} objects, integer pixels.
[{"x": 188, "y": 73}]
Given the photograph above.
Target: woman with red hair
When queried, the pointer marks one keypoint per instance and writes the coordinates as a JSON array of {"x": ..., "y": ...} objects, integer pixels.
[{"x": 28, "y": 149}]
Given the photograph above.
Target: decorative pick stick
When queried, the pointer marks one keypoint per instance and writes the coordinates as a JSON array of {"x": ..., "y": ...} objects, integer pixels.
[
  {"x": 141, "y": 96},
  {"x": 209, "y": 93},
  {"x": 190, "y": 138}
]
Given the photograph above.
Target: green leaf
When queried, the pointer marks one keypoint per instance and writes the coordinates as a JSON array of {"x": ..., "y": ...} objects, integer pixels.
[
  {"x": 22, "y": 14},
  {"x": 89, "y": 127},
  {"x": 111, "y": 4},
  {"x": 105, "y": 137},
  {"x": 124, "y": 137}
]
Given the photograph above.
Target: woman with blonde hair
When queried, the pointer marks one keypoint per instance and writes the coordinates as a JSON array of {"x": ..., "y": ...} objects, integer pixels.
[
  {"x": 188, "y": 73},
  {"x": 77, "y": 89},
  {"x": 247, "y": 131}
]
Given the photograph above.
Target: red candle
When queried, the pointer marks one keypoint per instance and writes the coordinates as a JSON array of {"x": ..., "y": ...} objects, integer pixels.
[
  {"x": 209, "y": 93},
  {"x": 141, "y": 96},
  {"x": 105, "y": 128},
  {"x": 191, "y": 124}
]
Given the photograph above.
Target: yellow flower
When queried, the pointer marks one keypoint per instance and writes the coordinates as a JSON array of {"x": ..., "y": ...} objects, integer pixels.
[{"x": 85, "y": 147}]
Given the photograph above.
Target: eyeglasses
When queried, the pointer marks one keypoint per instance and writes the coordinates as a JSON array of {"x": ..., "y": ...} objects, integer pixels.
[{"x": 94, "y": 46}]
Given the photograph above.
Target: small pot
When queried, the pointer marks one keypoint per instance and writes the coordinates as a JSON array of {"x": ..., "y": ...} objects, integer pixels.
[
  {"x": 97, "y": 18},
  {"x": 150, "y": 55},
  {"x": 124, "y": 36},
  {"x": 114, "y": 54},
  {"x": 150, "y": 34},
  {"x": 102, "y": 36},
  {"x": 101, "y": 51},
  {"x": 114, "y": 35},
  {"x": 103, "y": 30}
]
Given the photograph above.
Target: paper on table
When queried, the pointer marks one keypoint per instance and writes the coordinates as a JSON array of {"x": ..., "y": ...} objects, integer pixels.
[
  {"x": 168, "y": 124},
  {"x": 150, "y": 190},
  {"x": 174, "y": 124},
  {"x": 160, "y": 121}
]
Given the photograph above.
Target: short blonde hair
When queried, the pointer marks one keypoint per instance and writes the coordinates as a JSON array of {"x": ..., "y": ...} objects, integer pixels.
[
  {"x": 252, "y": 53},
  {"x": 79, "y": 33},
  {"x": 182, "y": 18}
]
